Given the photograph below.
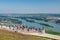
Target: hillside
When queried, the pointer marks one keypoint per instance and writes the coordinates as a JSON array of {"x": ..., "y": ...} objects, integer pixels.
[{"x": 5, "y": 35}]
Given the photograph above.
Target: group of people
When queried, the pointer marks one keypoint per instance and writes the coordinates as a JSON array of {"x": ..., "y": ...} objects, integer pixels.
[
  {"x": 24, "y": 28},
  {"x": 29, "y": 29}
]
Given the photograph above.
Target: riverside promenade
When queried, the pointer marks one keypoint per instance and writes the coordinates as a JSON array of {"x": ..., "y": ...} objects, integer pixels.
[{"x": 34, "y": 33}]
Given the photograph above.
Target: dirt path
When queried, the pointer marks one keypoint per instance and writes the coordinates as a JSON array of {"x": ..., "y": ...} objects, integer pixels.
[{"x": 43, "y": 35}]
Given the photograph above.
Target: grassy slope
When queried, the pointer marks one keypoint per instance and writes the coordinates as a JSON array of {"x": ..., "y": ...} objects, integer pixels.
[
  {"x": 52, "y": 32},
  {"x": 5, "y": 35}
]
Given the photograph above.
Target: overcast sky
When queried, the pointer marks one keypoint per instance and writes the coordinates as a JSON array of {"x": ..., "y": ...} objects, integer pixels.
[{"x": 29, "y": 6}]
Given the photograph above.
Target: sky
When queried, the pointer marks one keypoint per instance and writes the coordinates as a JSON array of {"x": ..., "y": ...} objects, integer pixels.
[{"x": 29, "y": 6}]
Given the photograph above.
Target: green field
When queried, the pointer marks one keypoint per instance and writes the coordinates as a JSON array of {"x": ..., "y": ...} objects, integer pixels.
[
  {"x": 52, "y": 32},
  {"x": 5, "y": 35}
]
